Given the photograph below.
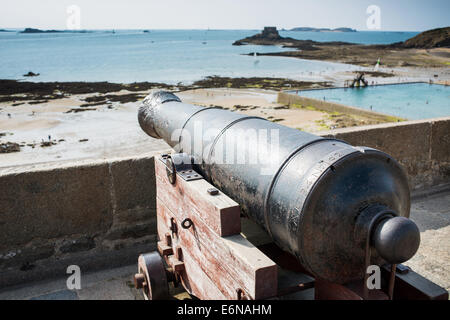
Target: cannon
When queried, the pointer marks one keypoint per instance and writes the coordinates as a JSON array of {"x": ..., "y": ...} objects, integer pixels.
[{"x": 332, "y": 209}]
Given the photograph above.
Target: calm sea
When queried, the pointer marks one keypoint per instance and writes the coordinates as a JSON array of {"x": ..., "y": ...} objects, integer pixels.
[{"x": 169, "y": 56}]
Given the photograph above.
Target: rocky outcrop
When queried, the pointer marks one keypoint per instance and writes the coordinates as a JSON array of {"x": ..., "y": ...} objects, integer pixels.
[
  {"x": 270, "y": 37},
  {"x": 436, "y": 38},
  {"x": 8, "y": 147},
  {"x": 33, "y": 30}
]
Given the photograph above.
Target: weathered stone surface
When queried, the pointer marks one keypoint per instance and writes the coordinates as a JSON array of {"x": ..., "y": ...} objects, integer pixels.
[
  {"x": 25, "y": 257},
  {"x": 54, "y": 203},
  {"x": 113, "y": 289},
  {"x": 444, "y": 172},
  {"x": 403, "y": 141},
  {"x": 148, "y": 240},
  {"x": 133, "y": 230},
  {"x": 134, "y": 185},
  {"x": 421, "y": 147},
  {"x": 53, "y": 215},
  {"x": 76, "y": 245},
  {"x": 440, "y": 141},
  {"x": 135, "y": 215},
  {"x": 432, "y": 260},
  {"x": 58, "y": 295}
]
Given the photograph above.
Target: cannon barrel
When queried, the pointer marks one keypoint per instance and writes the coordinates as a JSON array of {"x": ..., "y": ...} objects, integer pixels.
[{"x": 320, "y": 199}]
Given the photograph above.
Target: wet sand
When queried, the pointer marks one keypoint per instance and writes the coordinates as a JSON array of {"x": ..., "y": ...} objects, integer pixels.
[
  {"x": 46, "y": 132},
  {"x": 103, "y": 124}
]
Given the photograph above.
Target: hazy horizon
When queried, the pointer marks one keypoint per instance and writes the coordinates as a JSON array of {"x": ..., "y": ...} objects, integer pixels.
[
  {"x": 205, "y": 29},
  {"x": 396, "y": 16},
  {"x": 210, "y": 29}
]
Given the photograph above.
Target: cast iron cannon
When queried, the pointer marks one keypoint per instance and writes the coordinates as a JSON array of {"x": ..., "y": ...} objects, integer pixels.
[{"x": 337, "y": 208}]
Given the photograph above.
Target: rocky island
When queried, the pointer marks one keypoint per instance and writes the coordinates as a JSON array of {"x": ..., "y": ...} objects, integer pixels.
[
  {"x": 270, "y": 36},
  {"x": 33, "y": 30},
  {"x": 427, "y": 49}
]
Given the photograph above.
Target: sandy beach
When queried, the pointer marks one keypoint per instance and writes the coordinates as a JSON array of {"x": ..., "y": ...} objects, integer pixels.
[
  {"x": 67, "y": 121},
  {"x": 78, "y": 136},
  {"x": 104, "y": 125}
]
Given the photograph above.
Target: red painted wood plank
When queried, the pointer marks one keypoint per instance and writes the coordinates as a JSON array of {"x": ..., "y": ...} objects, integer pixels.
[
  {"x": 230, "y": 262},
  {"x": 219, "y": 212},
  {"x": 194, "y": 280}
]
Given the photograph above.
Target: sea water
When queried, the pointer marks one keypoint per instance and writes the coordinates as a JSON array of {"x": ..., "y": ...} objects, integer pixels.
[{"x": 168, "y": 56}]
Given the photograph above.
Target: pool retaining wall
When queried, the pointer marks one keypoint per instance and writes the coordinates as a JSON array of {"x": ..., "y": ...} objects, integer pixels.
[{"x": 290, "y": 99}]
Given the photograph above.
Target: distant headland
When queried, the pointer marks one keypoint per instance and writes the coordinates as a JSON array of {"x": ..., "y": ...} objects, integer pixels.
[
  {"x": 392, "y": 55},
  {"x": 33, "y": 30},
  {"x": 436, "y": 38}
]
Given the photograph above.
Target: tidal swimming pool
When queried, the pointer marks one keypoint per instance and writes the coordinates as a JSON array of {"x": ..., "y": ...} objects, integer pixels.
[{"x": 410, "y": 100}]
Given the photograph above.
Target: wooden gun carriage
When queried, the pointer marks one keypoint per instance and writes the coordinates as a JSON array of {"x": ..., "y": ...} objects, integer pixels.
[{"x": 214, "y": 253}]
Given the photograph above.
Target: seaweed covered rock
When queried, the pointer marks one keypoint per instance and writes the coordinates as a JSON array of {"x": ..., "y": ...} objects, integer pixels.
[{"x": 9, "y": 147}]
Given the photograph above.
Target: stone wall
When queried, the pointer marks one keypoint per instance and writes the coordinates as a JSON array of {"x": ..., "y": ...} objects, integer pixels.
[
  {"x": 94, "y": 215},
  {"x": 102, "y": 214},
  {"x": 422, "y": 147}
]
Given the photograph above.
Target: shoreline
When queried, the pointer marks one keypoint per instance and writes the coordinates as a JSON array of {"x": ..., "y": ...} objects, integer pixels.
[
  {"x": 71, "y": 127},
  {"x": 23, "y": 89},
  {"x": 54, "y": 121},
  {"x": 366, "y": 56},
  {"x": 17, "y": 91}
]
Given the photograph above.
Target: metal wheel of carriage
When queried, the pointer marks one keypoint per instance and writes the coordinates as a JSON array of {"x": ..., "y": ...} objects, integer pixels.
[{"x": 152, "y": 277}]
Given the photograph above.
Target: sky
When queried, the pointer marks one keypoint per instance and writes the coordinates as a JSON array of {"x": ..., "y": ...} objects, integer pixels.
[{"x": 395, "y": 15}]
